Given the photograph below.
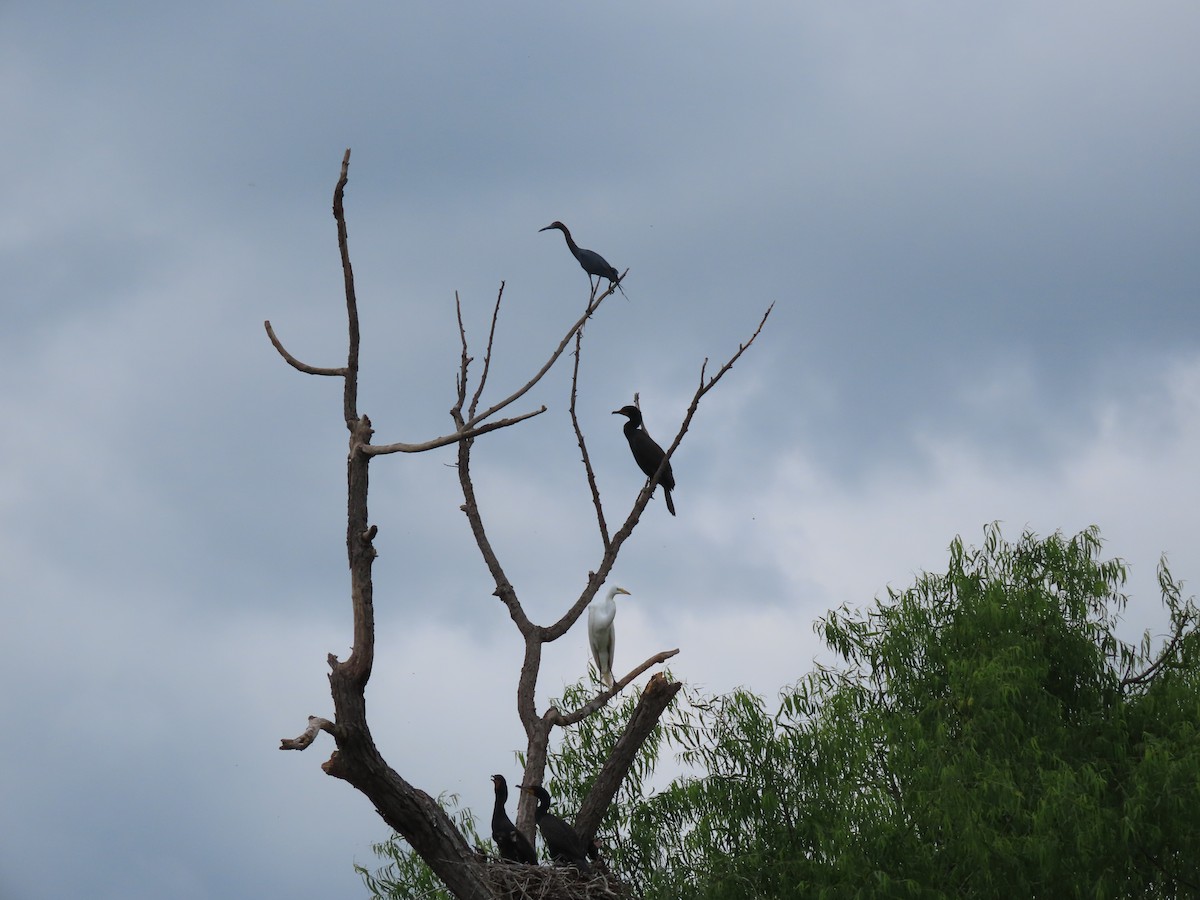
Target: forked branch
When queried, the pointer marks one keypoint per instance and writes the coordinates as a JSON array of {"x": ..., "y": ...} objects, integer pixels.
[
  {"x": 558, "y": 351},
  {"x": 613, "y": 547}
]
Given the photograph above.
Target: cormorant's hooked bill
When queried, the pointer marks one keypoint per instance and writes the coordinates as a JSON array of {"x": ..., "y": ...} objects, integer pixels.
[{"x": 648, "y": 455}]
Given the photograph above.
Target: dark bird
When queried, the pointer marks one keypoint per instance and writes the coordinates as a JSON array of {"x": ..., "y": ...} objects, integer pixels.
[
  {"x": 561, "y": 840},
  {"x": 593, "y": 263},
  {"x": 599, "y": 863},
  {"x": 511, "y": 843},
  {"x": 646, "y": 453}
]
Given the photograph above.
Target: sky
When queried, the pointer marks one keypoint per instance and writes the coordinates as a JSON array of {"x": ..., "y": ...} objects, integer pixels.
[{"x": 977, "y": 225}]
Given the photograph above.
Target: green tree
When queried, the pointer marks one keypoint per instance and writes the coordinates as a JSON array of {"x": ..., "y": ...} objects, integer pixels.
[
  {"x": 985, "y": 734},
  {"x": 988, "y": 735}
]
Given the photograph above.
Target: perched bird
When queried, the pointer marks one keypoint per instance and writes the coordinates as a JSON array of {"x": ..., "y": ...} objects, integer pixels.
[
  {"x": 601, "y": 633},
  {"x": 561, "y": 840},
  {"x": 593, "y": 263},
  {"x": 646, "y": 452},
  {"x": 511, "y": 843}
]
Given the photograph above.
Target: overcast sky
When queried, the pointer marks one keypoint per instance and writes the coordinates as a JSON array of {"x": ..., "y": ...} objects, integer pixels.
[{"x": 978, "y": 225}]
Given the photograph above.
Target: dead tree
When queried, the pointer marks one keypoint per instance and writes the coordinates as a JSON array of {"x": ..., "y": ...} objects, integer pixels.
[{"x": 410, "y": 811}]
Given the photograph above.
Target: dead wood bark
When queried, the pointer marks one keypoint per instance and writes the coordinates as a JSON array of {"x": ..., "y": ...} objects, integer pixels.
[{"x": 656, "y": 697}]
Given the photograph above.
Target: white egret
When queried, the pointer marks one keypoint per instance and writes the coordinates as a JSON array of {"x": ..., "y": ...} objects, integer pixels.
[{"x": 601, "y": 633}]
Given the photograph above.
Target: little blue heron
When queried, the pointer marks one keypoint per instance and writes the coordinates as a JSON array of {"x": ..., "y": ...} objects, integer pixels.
[
  {"x": 646, "y": 452},
  {"x": 593, "y": 263}
]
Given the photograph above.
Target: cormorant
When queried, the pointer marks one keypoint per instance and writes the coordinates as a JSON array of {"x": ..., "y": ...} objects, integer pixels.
[
  {"x": 601, "y": 633},
  {"x": 593, "y": 263},
  {"x": 511, "y": 843},
  {"x": 646, "y": 452},
  {"x": 561, "y": 840}
]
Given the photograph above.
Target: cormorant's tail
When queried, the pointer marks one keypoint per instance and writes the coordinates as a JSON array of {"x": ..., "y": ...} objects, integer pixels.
[{"x": 670, "y": 502}]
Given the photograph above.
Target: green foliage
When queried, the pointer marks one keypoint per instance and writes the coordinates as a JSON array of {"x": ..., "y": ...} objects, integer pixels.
[
  {"x": 574, "y": 765},
  {"x": 986, "y": 735}
]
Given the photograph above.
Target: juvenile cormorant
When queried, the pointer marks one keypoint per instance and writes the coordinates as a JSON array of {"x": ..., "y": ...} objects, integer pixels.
[
  {"x": 601, "y": 633},
  {"x": 561, "y": 840},
  {"x": 646, "y": 452},
  {"x": 512, "y": 845},
  {"x": 593, "y": 263}
]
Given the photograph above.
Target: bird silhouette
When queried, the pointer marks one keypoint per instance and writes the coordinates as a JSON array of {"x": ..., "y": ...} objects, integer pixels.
[
  {"x": 593, "y": 263},
  {"x": 561, "y": 840},
  {"x": 512, "y": 845},
  {"x": 646, "y": 452}
]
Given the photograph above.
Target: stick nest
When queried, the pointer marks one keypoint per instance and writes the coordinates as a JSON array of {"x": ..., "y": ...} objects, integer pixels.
[{"x": 514, "y": 881}]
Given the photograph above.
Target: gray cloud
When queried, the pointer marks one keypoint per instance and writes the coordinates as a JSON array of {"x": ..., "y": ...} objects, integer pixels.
[{"x": 977, "y": 227}]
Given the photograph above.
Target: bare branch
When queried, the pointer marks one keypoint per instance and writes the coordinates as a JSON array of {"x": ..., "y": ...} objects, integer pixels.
[
  {"x": 504, "y": 589},
  {"x": 350, "y": 401},
  {"x": 447, "y": 439},
  {"x": 562, "y": 720},
  {"x": 742, "y": 348},
  {"x": 487, "y": 356},
  {"x": 587, "y": 463},
  {"x": 559, "y": 628},
  {"x": 464, "y": 362},
  {"x": 315, "y": 726},
  {"x": 466, "y": 431},
  {"x": 558, "y": 351},
  {"x": 295, "y": 363}
]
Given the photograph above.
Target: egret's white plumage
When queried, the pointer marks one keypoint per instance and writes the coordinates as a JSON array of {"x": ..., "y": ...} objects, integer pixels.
[{"x": 601, "y": 633}]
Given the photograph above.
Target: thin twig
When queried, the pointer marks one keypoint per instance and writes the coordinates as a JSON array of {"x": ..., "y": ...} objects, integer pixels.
[
  {"x": 596, "y": 579},
  {"x": 587, "y": 463},
  {"x": 487, "y": 357},
  {"x": 564, "y": 719},
  {"x": 558, "y": 351},
  {"x": 446, "y": 439},
  {"x": 464, "y": 362}
]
